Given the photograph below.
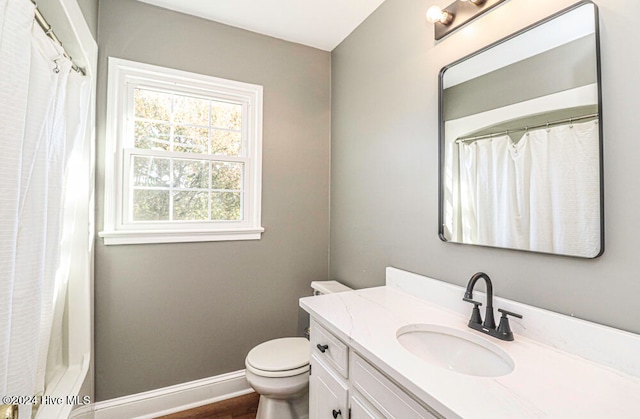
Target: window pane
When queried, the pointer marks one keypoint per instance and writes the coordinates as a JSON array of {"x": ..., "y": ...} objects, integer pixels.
[
  {"x": 150, "y": 104},
  {"x": 226, "y": 115},
  {"x": 150, "y": 171},
  {"x": 191, "y": 139},
  {"x": 152, "y": 135},
  {"x": 225, "y": 206},
  {"x": 227, "y": 175},
  {"x": 150, "y": 205},
  {"x": 190, "y": 206},
  {"x": 191, "y": 110},
  {"x": 190, "y": 174},
  {"x": 227, "y": 143}
]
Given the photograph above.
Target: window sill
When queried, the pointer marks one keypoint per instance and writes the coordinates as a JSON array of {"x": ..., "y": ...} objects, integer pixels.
[{"x": 178, "y": 236}]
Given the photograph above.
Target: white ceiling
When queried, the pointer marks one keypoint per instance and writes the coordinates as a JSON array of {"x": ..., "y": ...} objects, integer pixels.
[{"x": 321, "y": 24}]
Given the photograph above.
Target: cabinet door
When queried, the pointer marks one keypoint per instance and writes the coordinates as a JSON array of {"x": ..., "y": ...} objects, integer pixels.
[
  {"x": 328, "y": 393},
  {"x": 360, "y": 409}
]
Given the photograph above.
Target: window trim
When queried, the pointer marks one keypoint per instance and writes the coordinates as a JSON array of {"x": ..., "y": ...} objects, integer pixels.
[{"x": 122, "y": 75}]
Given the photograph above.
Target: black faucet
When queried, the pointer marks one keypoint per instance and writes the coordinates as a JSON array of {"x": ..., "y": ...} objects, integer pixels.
[{"x": 503, "y": 331}]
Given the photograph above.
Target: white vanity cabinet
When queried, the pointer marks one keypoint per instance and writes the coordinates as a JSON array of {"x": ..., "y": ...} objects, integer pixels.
[
  {"x": 328, "y": 386},
  {"x": 597, "y": 371},
  {"x": 345, "y": 385}
]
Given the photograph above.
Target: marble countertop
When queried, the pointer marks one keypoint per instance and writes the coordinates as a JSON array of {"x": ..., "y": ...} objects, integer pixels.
[{"x": 545, "y": 383}]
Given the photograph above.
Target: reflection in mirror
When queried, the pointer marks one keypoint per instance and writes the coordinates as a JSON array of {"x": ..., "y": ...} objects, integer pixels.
[{"x": 521, "y": 140}]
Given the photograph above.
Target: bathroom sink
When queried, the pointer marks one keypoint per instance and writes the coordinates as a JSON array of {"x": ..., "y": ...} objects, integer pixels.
[{"x": 455, "y": 350}]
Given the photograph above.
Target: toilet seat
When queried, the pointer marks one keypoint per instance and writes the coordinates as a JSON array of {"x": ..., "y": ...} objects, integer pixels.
[{"x": 284, "y": 357}]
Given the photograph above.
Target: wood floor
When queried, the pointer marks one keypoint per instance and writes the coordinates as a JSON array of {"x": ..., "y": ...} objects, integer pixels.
[{"x": 243, "y": 407}]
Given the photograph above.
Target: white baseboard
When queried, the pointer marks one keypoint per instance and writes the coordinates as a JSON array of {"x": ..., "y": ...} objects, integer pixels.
[{"x": 167, "y": 400}]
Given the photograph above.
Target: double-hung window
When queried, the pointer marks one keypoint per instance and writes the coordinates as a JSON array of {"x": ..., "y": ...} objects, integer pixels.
[{"x": 183, "y": 156}]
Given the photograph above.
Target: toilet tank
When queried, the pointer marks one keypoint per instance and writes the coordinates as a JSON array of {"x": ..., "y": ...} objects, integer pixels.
[
  {"x": 328, "y": 287},
  {"x": 325, "y": 287}
]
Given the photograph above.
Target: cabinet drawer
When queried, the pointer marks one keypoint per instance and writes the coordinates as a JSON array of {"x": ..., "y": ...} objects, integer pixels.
[
  {"x": 329, "y": 349},
  {"x": 383, "y": 394}
]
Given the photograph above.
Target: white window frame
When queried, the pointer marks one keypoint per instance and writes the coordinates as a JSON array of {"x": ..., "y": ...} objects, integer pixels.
[{"x": 124, "y": 75}]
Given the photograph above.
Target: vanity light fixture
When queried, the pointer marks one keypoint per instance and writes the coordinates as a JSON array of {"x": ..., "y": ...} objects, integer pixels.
[{"x": 457, "y": 14}]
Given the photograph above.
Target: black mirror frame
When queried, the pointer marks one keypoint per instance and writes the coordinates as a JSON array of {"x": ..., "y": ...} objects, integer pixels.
[{"x": 441, "y": 122}]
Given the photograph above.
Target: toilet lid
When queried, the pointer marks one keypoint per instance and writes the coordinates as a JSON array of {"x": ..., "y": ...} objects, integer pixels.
[{"x": 280, "y": 355}]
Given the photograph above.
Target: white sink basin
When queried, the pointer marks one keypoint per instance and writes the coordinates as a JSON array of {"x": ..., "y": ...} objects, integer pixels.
[{"x": 455, "y": 350}]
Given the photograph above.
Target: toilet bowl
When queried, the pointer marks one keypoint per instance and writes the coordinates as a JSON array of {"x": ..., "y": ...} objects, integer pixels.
[{"x": 278, "y": 370}]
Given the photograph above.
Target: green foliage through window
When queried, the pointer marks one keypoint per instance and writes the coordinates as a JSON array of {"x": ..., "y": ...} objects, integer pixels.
[{"x": 168, "y": 188}]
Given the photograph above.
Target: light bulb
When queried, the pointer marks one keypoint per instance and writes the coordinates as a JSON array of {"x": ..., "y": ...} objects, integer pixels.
[{"x": 436, "y": 14}]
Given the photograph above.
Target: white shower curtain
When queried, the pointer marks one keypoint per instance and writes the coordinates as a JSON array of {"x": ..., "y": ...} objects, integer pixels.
[
  {"x": 36, "y": 140},
  {"x": 541, "y": 193}
]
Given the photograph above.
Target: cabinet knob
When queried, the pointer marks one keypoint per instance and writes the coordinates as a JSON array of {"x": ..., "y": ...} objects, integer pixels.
[
  {"x": 336, "y": 413},
  {"x": 323, "y": 349}
]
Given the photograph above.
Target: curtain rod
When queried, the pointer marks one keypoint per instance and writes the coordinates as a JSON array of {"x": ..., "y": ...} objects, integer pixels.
[
  {"x": 527, "y": 128},
  {"x": 48, "y": 30}
]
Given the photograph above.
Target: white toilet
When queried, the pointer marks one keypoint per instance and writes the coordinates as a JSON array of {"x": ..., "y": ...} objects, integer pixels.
[{"x": 278, "y": 370}]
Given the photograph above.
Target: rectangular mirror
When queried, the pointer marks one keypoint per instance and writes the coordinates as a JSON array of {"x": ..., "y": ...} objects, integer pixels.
[{"x": 521, "y": 140}]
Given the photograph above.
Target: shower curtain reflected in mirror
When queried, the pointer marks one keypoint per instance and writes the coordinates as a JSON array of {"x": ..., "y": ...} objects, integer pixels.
[{"x": 539, "y": 193}]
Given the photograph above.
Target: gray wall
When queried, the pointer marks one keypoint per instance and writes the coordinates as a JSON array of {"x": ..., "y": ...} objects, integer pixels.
[
  {"x": 171, "y": 313},
  {"x": 384, "y": 190},
  {"x": 566, "y": 67},
  {"x": 90, "y": 11}
]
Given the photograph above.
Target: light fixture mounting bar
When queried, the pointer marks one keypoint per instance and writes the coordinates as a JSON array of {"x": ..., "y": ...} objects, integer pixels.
[{"x": 464, "y": 12}]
